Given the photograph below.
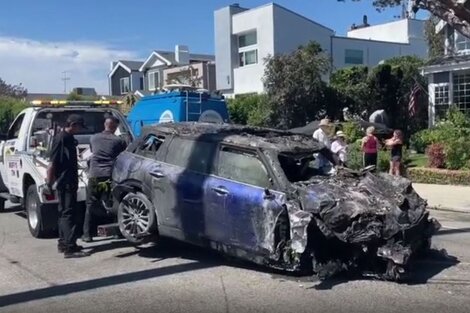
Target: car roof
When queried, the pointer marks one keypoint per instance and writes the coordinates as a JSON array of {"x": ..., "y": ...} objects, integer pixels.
[{"x": 239, "y": 135}]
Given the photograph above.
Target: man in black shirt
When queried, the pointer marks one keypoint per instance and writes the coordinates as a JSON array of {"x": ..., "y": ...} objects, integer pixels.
[
  {"x": 106, "y": 147},
  {"x": 62, "y": 175}
]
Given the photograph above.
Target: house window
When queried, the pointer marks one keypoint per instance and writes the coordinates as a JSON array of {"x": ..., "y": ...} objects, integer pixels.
[
  {"x": 154, "y": 80},
  {"x": 353, "y": 56},
  {"x": 461, "y": 96},
  {"x": 462, "y": 44},
  {"x": 441, "y": 100},
  {"x": 248, "y": 57},
  {"x": 141, "y": 83},
  {"x": 247, "y": 39},
  {"x": 124, "y": 83}
]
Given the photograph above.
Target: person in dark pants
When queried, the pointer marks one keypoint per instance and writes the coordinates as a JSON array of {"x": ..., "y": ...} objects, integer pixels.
[
  {"x": 370, "y": 147},
  {"x": 62, "y": 175},
  {"x": 106, "y": 147}
]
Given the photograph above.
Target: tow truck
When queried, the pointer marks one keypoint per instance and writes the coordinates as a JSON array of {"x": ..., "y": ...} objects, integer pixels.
[{"x": 24, "y": 156}]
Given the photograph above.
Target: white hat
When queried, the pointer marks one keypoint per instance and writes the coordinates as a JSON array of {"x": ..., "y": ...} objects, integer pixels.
[
  {"x": 325, "y": 122},
  {"x": 340, "y": 133}
]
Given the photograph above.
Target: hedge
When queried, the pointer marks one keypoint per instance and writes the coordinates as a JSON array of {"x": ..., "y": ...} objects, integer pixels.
[{"x": 438, "y": 176}]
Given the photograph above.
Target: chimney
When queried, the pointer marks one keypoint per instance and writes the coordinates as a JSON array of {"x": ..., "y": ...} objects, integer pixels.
[
  {"x": 182, "y": 54},
  {"x": 364, "y": 20}
]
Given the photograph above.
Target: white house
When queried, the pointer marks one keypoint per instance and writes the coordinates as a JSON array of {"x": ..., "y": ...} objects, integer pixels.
[
  {"x": 449, "y": 76},
  {"x": 245, "y": 37}
]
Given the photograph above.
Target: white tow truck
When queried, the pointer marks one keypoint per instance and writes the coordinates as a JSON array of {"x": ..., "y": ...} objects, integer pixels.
[{"x": 24, "y": 154}]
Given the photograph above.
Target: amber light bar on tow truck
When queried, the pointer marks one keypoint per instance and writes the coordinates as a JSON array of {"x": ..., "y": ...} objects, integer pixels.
[{"x": 73, "y": 102}]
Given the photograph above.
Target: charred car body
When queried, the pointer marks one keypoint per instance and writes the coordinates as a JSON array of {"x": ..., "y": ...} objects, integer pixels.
[{"x": 251, "y": 193}]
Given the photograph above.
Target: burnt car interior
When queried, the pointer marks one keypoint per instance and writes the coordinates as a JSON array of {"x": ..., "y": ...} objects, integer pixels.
[{"x": 298, "y": 167}]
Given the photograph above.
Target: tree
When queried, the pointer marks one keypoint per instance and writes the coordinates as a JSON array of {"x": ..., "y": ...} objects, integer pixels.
[
  {"x": 74, "y": 96},
  {"x": 435, "y": 40},
  {"x": 296, "y": 92},
  {"x": 187, "y": 76},
  {"x": 387, "y": 86},
  {"x": 13, "y": 91},
  {"x": 454, "y": 12},
  {"x": 352, "y": 88},
  {"x": 9, "y": 109}
]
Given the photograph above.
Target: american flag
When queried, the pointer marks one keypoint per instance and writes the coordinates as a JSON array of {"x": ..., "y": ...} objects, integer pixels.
[{"x": 412, "y": 105}]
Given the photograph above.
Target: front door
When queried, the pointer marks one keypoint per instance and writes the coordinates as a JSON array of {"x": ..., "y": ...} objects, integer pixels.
[
  {"x": 188, "y": 163},
  {"x": 12, "y": 159},
  {"x": 250, "y": 211}
]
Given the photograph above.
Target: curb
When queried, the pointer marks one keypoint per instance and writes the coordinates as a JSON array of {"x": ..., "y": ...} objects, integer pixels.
[{"x": 455, "y": 210}]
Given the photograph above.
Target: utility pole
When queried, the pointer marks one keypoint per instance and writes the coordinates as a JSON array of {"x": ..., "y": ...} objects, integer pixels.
[{"x": 65, "y": 78}]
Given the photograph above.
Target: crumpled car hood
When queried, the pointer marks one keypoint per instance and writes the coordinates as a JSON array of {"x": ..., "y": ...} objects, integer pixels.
[{"x": 380, "y": 215}]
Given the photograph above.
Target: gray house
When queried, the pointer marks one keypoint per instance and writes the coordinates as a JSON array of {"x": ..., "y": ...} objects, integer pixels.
[
  {"x": 449, "y": 76},
  {"x": 165, "y": 67},
  {"x": 125, "y": 77}
]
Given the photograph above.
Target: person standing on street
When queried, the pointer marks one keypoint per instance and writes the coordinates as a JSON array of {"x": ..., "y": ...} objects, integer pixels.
[
  {"x": 62, "y": 175},
  {"x": 106, "y": 147},
  {"x": 370, "y": 147}
]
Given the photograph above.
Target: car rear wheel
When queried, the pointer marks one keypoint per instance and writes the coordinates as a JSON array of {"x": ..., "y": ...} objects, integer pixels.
[
  {"x": 42, "y": 221},
  {"x": 136, "y": 218},
  {"x": 2, "y": 204}
]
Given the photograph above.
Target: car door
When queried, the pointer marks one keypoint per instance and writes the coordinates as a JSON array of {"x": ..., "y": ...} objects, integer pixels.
[
  {"x": 11, "y": 158},
  {"x": 250, "y": 212},
  {"x": 188, "y": 164}
]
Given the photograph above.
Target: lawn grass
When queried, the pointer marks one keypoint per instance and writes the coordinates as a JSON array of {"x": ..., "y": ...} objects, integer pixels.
[{"x": 418, "y": 160}]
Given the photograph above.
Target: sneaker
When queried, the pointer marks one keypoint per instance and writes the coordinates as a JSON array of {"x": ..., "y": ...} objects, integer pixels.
[
  {"x": 61, "y": 249},
  {"x": 75, "y": 254}
]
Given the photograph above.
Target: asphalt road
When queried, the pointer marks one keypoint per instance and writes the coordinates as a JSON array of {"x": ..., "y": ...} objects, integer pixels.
[{"x": 172, "y": 277}]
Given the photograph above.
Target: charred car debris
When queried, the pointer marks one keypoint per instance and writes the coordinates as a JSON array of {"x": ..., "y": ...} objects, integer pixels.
[{"x": 252, "y": 193}]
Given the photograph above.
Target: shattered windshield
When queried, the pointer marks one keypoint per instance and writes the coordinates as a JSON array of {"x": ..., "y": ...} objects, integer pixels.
[{"x": 298, "y": 167}]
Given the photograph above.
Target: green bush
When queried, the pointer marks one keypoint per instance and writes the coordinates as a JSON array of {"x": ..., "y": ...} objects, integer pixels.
[
  {"x": 457, "y": 153},
  {"x": 250, "y": 109},
  {"x": 9, "y": 109},
  {"x": 352, "y": 131},
  {"x": 438, "y": 176}
]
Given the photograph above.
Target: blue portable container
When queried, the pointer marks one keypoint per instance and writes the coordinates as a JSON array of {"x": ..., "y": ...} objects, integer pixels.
[{"x": 178, "y": 106}]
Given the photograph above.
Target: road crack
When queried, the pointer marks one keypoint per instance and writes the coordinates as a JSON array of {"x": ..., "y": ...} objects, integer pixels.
[{"x": 225, "y": 295}]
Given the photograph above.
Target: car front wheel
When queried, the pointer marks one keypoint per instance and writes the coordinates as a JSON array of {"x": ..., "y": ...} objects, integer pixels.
[{"x": 136, "y": 218}]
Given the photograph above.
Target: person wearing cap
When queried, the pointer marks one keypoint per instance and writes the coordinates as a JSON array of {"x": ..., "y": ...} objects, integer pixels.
[
  {"x": 340, "y": 147},
  {"x": 106, "y": 147},
  {"x": 62, "y": 175}
]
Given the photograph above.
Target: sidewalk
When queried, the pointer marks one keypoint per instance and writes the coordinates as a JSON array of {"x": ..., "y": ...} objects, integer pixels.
[{"x": 446, "y": 197}]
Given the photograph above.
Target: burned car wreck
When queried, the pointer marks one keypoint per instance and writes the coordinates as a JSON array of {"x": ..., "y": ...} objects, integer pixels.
[{"x": 252, "y": 193}]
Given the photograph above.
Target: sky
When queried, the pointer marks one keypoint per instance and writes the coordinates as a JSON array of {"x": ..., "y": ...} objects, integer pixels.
[{"x": 40, "y": 39}]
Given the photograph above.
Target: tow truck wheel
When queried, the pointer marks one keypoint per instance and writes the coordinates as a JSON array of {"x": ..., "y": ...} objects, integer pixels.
[
  {"x": 2, "y": 204},
  {"x": 39, "y": 221},
  {"x": 136, "y": 218}
]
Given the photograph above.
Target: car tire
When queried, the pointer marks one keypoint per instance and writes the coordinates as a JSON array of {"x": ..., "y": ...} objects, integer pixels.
[
  {"x": 136, "y": 218},
  {"x": 42, "y": 219}
]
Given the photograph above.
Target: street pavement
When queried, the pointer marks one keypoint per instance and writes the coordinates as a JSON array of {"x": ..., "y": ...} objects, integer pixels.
[{"x": 173, "y": 277}]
